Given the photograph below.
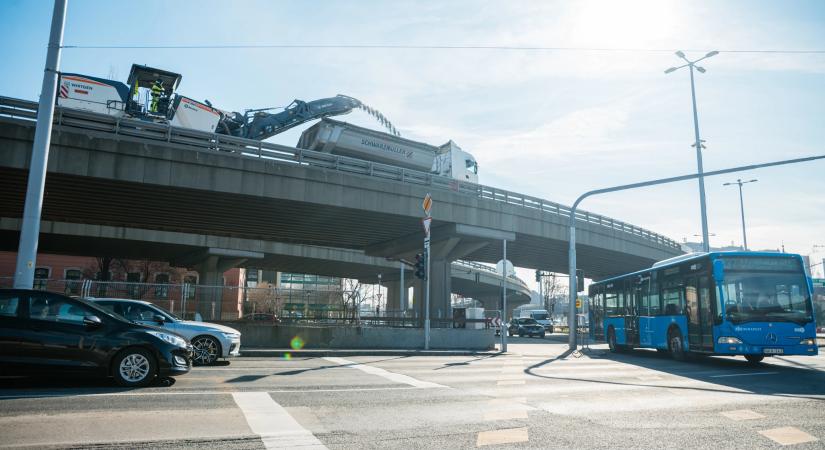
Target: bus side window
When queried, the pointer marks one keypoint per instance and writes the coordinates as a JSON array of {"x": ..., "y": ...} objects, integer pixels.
[
  {"x": 673, "y": 301},
  {"x": 653, "y": 299},
  {"x": 610, "y": 300},
  {"x": 644, "y": 297}
]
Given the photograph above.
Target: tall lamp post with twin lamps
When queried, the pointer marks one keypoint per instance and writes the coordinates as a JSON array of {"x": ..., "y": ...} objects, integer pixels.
[{"x": 698, "y": 144}]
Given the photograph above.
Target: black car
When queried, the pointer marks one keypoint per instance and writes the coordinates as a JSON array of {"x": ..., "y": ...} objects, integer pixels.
[
  {"x": 42, "y": 333},
  {"x": 525, "y": 327}
]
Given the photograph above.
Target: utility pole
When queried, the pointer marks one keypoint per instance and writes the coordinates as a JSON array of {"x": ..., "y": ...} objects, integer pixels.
[
  {"x": 504, "y": 297},
  {"x": 698, "y": 142},
  {"x": 739, "y": 183},
  {"x": 30, "y": 226}
]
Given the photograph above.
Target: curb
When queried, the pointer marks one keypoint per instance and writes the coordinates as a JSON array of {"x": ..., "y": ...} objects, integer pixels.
[{"x": 280, "y": 353}]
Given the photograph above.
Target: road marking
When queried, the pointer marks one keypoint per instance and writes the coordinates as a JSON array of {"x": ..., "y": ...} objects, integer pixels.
[
  {"x": 748, "y": 374},
  {"x": 742, "y": 414},
  {"x": 273, "y": 423},
  {"x": 142, "y": 394},
  {"x": 506, "y": 436},
  {"x": 788, "y": 435},
  {"x": 396, "y": 377}
]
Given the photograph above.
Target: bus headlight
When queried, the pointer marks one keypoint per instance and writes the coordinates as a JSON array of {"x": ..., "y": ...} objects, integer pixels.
[
  {"x": 808, "y": 341},
  {"x": 728, "y": 340}
]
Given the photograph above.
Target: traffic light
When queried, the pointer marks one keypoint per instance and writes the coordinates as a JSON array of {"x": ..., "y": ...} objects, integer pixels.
[
  {"x": 579, "y": 280},
  {"x": 538, "y": 276},
  {"x": 420, "y": 266}
]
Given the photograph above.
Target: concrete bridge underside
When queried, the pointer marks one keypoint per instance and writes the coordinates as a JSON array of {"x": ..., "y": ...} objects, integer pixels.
[
  {"x": 100, "y": 179},
  {"x": 187, "y": 250}
]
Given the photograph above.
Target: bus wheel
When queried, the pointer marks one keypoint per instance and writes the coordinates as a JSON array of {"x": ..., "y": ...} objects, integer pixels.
[
  {"x": 611, "y": 340},
  {"x": 754, "y": 359},
  {"x": 675, "y": 345}
]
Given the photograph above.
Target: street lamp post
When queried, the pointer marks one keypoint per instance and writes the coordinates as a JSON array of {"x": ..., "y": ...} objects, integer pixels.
[
  {"x": 739, "y": 183},
  {"x": 698, "y": 142}
]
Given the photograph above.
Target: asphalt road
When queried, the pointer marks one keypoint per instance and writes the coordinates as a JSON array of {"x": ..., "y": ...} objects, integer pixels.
[{"x": 536, "y": 396}]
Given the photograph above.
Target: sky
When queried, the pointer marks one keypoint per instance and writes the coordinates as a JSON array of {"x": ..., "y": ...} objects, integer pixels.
[{"x": 547, "y": 123}]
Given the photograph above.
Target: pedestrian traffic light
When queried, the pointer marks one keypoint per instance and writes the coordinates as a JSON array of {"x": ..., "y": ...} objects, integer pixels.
[
  {"x": 538, "y": 276},
  {"x": 420, "y": 266}
]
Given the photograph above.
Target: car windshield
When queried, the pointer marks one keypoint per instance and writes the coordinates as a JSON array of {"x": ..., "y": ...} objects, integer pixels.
[
  {"x": 766, "y": 296},
  {"x": 539, "y": 316}
]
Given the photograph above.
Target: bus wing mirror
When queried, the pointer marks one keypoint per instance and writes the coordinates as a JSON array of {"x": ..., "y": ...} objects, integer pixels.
[{"x": 719, "y": 270}]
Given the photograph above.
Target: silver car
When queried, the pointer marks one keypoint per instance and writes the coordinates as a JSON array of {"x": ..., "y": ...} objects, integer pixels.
[{"x": 210, "y": 341}]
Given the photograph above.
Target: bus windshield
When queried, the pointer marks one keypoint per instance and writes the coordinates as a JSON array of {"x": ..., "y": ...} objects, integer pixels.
[{"x": 766, "y": 296}]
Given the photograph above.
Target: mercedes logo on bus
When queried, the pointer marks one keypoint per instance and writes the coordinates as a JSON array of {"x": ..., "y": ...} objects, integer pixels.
[{"x": 771, "y": 338}]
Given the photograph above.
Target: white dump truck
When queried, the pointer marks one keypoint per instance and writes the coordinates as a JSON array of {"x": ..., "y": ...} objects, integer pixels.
[{"x": 341, "y": 138}]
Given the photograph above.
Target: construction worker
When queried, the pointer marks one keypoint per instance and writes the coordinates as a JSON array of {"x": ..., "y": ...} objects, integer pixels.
[{"x": 157, "y": 90}]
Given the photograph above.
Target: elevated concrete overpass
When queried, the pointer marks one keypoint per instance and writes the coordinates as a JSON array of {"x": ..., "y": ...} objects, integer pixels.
[{"x": 125, "y": 173}]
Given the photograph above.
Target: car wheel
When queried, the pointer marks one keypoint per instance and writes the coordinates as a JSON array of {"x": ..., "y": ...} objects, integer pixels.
[
  {"x": 134, "y": 367},
  {"x": 676, "y": 346},
  {"x": 521, "y": 335},
  {"x": 754, "y": 359},
  {"x": 542, "y": 335},
  {"x": 510, "y": 333},
  {"x": 206, "y": 350}
]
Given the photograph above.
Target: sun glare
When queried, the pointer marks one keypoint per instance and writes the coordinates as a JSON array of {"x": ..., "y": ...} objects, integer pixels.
[{"x": 623, "y": 24}]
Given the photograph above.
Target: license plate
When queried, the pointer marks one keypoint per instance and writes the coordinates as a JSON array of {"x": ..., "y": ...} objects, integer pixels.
[{"x": 773, "y": 351}]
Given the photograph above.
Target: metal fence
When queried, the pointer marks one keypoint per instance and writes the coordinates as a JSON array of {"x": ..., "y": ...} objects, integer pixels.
[
  {"x": 104, "y": 125},
  {"x": 229, "y": 303}
]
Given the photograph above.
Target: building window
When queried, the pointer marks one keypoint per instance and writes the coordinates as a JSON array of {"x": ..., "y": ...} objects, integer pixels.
[
  {"x": 72, "y": 277},
  {"x": 162, "y": 290},
  {"x": 41, "y": 277},
  {"x": 133, "y": 278}
]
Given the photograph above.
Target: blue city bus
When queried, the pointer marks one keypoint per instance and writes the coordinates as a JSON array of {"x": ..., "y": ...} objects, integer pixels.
[{"x": 754, "y": 304}]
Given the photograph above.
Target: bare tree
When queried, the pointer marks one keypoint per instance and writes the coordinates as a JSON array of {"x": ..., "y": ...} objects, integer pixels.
[{"x": 552, "y": 288}]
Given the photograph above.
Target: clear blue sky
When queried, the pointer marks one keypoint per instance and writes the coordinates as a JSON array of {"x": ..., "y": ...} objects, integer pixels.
[{"x": 552, "y": 124}]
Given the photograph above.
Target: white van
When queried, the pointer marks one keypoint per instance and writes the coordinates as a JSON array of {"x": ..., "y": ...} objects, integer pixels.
[{"x": 541, "y": 316}]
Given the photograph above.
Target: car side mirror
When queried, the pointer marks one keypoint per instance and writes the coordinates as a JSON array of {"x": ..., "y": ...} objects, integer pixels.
[
  {"x": 159, "y": 319},
  {"x": 92, "y": 322}
]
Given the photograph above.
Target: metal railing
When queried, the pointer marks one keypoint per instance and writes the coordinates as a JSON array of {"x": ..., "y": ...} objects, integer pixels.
[{"x": 100, "y": 123}]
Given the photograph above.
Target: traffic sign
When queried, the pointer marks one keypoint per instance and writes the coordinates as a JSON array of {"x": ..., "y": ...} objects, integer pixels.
[
  {"x": 578, "y": 303},
  {"x": 427, "y": 204},
  {"x": 819, "y": 282},
  {"x": 495, "y": 321},
  {"x": 426, "y": 222}
]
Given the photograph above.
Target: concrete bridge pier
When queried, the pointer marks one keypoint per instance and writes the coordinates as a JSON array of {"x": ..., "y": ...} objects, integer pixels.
[
  {"x": 396, "y": 302},
  {"x": 210, "y": 264}
]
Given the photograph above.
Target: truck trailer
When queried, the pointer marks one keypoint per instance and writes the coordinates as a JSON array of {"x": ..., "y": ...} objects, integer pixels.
[{"x": 341, "y": 138}]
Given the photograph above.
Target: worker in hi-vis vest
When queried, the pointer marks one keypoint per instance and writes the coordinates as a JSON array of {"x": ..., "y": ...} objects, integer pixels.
[{"x": 157, "y": 90}]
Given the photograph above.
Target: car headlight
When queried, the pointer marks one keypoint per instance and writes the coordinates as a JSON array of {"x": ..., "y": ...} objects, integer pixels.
[
  {"x": 231, "y": 335},
  {"x": 808, "y": 341},
  {"x": 170, "y": 338},
  {"x": 728, "y": 340}
]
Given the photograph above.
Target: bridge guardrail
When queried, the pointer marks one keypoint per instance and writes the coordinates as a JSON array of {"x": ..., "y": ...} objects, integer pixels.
[{"x": 64, "y": 117}]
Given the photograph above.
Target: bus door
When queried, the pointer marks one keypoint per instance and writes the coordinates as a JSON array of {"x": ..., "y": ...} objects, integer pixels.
[
  {"x": 631, "y": 318},
  {"x": 699, "y": 316}
]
